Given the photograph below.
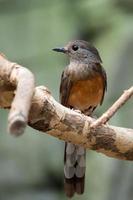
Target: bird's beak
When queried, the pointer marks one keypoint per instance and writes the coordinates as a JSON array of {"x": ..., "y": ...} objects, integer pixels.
[{"x": 60, "y": 49}]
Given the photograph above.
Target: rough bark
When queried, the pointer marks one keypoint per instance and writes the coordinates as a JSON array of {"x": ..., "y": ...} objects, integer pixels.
[
  {"x": 47, "y": 115},
  {"x": 16, "y": 91}
]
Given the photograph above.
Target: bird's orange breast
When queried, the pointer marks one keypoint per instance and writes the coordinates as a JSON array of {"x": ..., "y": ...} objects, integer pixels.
[{"x": 86, "y": 93}]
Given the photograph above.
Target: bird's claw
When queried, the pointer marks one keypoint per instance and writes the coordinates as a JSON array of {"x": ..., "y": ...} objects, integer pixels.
[{"x": 78, "y": 111}]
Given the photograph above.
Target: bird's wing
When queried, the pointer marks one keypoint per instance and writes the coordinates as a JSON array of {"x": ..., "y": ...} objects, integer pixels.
[
  {"x": 65, "y": 87},
  {"x": 104, "y": 76}
]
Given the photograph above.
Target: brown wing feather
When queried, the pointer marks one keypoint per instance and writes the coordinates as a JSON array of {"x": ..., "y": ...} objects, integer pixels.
[
  {"x": 104, "y": 76},
  {"x": 65, "y": 87}
]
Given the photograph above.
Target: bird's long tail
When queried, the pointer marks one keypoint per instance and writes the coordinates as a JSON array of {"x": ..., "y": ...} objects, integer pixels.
[{"x": 74, "y": 169}]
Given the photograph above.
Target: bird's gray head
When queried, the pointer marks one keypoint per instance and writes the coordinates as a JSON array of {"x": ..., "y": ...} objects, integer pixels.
[{"x": 80, "y": 50}]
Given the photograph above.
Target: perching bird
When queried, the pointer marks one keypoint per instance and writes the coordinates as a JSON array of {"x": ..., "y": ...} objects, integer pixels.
[{"x": 83, "y": 84}]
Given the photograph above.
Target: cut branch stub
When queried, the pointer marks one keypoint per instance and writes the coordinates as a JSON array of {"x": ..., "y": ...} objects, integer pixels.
[{"x": 23, "y": 80}]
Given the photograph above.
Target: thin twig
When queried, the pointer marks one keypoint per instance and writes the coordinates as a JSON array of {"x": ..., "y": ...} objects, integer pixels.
[{"x": 113, "y": 109}]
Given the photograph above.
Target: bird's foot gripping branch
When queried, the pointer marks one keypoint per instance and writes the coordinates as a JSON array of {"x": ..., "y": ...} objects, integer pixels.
[{"x": 38, "y": 108}]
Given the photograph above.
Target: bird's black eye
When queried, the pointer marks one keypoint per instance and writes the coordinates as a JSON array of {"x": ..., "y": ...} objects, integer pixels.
[{"x": 75, "y": 47}]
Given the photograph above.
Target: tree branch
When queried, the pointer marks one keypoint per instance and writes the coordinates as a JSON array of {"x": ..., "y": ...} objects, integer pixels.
[
  {"x": 14, "y": 76},
  {"x": 49, "y": 116},
  {"x": 114, "y": 108}
]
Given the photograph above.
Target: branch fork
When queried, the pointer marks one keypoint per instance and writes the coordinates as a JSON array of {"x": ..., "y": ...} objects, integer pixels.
[{"x": 37, "y": 108}]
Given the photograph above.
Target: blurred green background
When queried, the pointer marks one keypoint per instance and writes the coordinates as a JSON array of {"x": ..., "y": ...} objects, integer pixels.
[{"x": 31, "y": 166}]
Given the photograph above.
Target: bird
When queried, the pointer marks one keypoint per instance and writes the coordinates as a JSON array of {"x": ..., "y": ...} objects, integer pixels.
[{"x": 82, "y": 87}]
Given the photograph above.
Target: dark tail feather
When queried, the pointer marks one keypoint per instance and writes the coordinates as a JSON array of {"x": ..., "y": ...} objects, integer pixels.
[
  {"x": 69, "y": 187},
  {"x": 74, "y": 169},
  {"x": 79, "y": 185},
  {"x": 69, "y": 179}
]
